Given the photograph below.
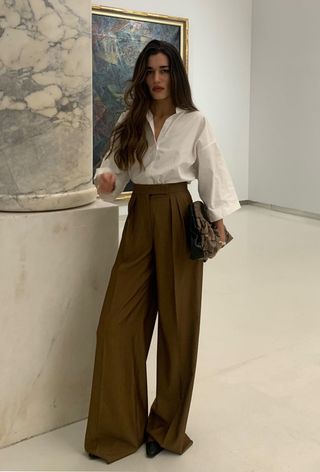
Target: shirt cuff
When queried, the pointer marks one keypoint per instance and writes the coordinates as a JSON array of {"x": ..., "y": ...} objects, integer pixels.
[{"x": 224, "y": 210}]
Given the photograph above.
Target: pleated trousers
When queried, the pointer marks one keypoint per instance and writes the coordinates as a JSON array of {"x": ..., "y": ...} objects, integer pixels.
[{"x": 153, "y": 274}]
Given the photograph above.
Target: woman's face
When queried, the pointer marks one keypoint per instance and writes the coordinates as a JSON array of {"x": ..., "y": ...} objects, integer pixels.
[{"x": 158, "y": 76}]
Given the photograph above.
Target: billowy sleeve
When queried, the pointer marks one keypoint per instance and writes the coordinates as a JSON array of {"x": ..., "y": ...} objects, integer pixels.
[
  {"x": 215, "y": 185},
  {"x": 109, "y": 165}
]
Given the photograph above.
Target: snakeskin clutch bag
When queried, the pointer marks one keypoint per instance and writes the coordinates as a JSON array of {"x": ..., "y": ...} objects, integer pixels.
[{"x": 203, "y": 237}]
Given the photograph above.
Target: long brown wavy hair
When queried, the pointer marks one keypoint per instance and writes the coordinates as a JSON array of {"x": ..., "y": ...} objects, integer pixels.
[{"x": 128, "y": 139}]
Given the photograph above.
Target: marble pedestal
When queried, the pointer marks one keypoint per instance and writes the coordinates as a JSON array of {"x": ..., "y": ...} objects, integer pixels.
[
  {"x": 45, "y": 105},
  {"x": 53, "y": 275}
]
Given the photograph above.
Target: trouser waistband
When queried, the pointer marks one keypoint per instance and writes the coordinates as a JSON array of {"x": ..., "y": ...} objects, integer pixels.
[{"x": 154, "y": 189}]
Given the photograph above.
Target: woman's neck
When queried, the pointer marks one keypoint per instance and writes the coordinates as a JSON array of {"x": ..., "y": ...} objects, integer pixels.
[{"x": 162, "y": 108}]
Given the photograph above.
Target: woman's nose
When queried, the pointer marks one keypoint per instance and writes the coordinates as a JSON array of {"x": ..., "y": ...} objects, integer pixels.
[{"x": 156, "y": 76}]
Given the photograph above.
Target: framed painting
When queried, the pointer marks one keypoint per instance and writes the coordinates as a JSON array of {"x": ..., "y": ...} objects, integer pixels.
[{"x": 118, "y": 36}]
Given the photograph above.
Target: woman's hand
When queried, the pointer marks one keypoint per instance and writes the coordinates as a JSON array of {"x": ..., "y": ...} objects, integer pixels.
[
  {"x": 106, "y": 183},
  {"x": 220, "y": 227}
]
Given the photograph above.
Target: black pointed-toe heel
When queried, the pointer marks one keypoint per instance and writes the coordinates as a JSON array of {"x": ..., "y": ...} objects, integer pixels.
[
  {"x": 153, "y": 448},
  {"x": 92, "y": 456}
]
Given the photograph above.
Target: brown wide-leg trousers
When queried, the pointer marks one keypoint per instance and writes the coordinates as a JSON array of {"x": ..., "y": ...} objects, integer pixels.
[{"x": 153, "y": 273}]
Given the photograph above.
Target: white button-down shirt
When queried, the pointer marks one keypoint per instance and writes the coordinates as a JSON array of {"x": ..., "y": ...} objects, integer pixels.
[{"x": 185, "y": 150}]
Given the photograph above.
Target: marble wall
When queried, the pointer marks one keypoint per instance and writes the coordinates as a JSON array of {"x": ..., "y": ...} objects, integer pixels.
[
  {"x": 54, "y": 272},
  {"x": 45, "y": 104}
]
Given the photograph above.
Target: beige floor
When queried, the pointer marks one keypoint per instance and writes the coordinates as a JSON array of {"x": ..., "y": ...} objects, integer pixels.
[{"x": 256, "y": 404}]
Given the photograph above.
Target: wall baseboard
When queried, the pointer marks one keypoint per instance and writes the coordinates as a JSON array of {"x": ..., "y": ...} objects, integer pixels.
[{"x": 291, "y": 211}]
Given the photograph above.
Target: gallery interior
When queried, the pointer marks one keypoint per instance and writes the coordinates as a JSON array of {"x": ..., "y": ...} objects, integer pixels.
[{"x": 254, "y": 68}]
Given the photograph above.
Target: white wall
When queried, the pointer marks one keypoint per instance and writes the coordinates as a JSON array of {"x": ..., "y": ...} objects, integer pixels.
[
  {"x": 219, "y": 69},
  {"x": 285, "y": 104}
]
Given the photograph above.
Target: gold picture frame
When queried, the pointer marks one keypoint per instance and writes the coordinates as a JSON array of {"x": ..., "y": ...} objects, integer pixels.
[{"x": 118, "y": 36}]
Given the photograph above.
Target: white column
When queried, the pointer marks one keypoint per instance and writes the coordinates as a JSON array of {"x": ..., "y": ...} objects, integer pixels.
[{"x": 45, "y": 105}]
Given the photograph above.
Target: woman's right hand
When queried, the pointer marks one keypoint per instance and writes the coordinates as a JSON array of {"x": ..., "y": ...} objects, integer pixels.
[{"x": 106, "y": 183}]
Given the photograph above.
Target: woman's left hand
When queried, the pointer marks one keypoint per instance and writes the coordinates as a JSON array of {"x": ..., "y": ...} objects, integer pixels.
[{"x": 220, "y": 227}]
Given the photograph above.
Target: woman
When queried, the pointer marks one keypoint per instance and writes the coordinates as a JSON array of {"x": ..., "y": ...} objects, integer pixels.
[{"x": 161, "y": 143}]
